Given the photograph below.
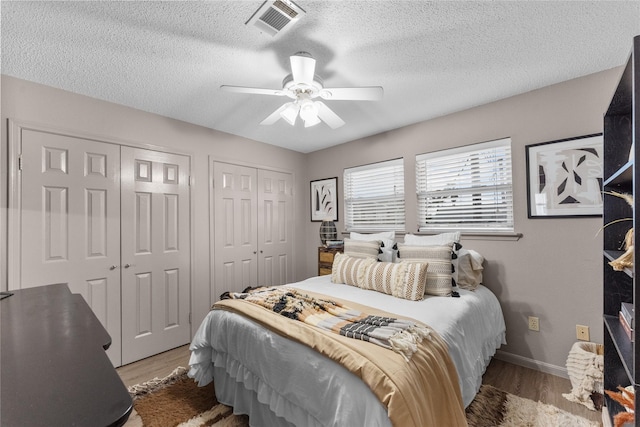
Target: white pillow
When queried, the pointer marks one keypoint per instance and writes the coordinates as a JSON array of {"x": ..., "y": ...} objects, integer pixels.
[
  {"x": 388, "y": 241},
  {"x": 469, "y": 269},
  {"x": 437, "y": 240}
]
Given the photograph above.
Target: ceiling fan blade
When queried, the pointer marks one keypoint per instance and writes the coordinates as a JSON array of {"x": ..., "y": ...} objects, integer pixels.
[
  {"x": 275, "y": 116},
  {"x": 370, "y": 93},
  {"x": 303, "y": 67},
  {"x": 328, "y": 116},
  {"x": 242, "y": 89}
]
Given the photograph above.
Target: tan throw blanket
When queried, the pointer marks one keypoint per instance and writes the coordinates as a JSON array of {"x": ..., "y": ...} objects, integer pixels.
[
  {"x": 421, "y": 392},
  {"x": 401, "y": 336}
]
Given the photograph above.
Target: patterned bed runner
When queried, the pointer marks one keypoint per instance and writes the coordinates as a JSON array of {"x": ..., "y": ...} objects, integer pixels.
[{"x": 401, "y": 336}]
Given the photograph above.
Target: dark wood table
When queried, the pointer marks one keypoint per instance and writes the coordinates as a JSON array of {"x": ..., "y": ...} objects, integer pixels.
[{"x": 54, "y": 369}]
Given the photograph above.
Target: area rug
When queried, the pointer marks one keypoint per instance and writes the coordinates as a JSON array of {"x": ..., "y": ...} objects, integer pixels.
[{"x": 176, "y": 401}]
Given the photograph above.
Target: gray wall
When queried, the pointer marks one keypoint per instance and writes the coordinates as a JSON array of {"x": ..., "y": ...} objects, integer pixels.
[
  {"x": 77, "y": 114},
  {"x": 555, "y": 271}
]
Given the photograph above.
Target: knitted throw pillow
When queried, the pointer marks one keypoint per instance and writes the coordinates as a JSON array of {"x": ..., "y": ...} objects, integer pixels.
[
  {"x": 438, "y": 259},
  {"x": 348, "y": 270}
]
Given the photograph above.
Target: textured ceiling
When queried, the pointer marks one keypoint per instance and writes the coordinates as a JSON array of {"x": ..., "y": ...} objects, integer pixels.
[{"x": 432, "y": 58}]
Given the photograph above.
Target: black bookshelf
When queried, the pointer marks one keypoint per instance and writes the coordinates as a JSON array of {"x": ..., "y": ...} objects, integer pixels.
[{"x": 621, "y": 129}]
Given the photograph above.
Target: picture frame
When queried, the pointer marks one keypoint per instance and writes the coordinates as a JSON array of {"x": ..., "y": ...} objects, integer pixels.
[
  {"x": 564, "y": 177},
  {"x": 324, "y": 199}
]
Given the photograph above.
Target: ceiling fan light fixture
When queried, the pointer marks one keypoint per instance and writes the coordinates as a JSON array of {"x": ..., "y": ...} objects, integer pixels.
[
  {"x": 308, "y": 109},
  {"x": 303, "y": 86},
  {"x": 311, "y": 121},
  {"x": 290, "y": 113}
]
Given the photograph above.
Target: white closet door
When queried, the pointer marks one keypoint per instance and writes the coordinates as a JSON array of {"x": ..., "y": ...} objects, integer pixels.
[
  {"x": 235, "y": 225},
  {"x": 70, "y": 221},
  {"x": 275, "y": 228},
  {"x": 155, "y": 253}
]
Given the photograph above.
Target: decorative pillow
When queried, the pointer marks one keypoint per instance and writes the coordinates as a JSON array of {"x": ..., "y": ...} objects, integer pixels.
[
  {"x": 387, "y": 246},
  {"x": 362, "y": 249},
  {"x": 451, "y": 238},
  {"x": 383, "y": 277},
  {"x": 415, "y": 280},
  {"x": 469, "y": 269},
  {"x": 438, "y": 259},
  {"x": 437, "y": 240},
  {"x": 402, "y": 280},
  {"x": 348, "y": 270}
]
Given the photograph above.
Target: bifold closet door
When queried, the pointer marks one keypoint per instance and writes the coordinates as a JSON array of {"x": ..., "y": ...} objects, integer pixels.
[
  {"x": 275, "y": 225},
  {"x": 155, "y": 252},
  {"x": 70, "y": 221},
  {"x": 253, "y": 227},
  {"x": 235, "y": 227}
]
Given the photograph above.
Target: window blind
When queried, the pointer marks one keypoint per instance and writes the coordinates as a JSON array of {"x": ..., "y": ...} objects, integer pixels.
[
  {"x": 374, "y": 196},
  {"x": 466, "y": 188}
]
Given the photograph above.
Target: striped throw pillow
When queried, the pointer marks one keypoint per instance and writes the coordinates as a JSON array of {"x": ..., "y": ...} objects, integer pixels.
[
  {"x": 348, "y": 270},
  {"x": 438, "y": 259},
  {"x": 415, "y": 280},
  {"x": 383, "y": 277},
  {"x": 402, "y": 280},
  {"x": 362, "y": 248}
]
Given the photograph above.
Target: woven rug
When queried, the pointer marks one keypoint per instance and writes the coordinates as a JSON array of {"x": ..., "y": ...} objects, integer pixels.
[{"x": 177, "y": 401}]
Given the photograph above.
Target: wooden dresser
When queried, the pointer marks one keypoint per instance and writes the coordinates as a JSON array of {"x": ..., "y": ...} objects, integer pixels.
[{"x": 325, "y": 259}]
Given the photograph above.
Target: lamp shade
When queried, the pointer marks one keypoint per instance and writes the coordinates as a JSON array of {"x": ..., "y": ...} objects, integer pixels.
[{"x": 328, "y": 231}]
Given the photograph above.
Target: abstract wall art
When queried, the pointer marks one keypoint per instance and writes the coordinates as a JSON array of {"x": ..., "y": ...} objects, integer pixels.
[
  {"x": 564, "y": 177},
  {"x": 324, "y": 199}
]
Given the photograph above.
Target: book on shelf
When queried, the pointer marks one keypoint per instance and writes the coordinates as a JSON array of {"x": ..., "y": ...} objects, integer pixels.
[
  {"x": 626, "y": 308},
  {"x": 334, "y": 243},
  {"x": 627, "y": 328}
]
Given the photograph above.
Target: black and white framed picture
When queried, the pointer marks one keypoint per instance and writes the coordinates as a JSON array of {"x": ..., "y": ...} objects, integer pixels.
[
  {"x": 564, "y": 177},
  {"x": 324, "y": 199}
]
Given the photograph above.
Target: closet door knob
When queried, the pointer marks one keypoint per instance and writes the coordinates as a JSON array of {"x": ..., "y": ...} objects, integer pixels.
[
  {"x": 127, "y": 265},
  {"x": 113, "y": 267}
]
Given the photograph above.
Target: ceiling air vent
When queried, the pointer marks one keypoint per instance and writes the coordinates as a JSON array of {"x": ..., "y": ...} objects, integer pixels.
[{"x": 276, "y": 16}]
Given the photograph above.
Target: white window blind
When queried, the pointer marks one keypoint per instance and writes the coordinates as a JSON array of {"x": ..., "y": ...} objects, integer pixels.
[
  {"x": 466, "y": 188},
  {"x": 374, "y": 196}
]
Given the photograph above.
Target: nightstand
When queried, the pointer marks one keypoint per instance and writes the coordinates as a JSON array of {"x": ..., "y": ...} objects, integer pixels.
[{"x": 325, "y": 259}]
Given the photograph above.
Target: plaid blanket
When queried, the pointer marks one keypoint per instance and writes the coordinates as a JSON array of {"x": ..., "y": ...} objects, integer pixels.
[{"x": 401, "y": 336}]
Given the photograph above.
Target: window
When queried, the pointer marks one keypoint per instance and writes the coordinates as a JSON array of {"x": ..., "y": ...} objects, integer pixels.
[
  {"x": 467, "y": 188},
  {"x": 374, "y": 196}
]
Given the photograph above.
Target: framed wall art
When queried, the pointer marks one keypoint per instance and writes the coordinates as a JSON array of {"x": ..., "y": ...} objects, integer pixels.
[
  {"x": 324, "y": 199},
  {"x": 564, "y": 177}
]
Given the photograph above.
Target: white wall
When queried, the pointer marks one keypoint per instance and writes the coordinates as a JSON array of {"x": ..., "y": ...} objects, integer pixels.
[
  {"x": 46, "y": 106},
  {"x": 555, "y": 271}
]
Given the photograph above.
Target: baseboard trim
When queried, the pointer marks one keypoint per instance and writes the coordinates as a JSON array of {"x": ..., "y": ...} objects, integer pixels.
[{"x": 527, "y": 362}]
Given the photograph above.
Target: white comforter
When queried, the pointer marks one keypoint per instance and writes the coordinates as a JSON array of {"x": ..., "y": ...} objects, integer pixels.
[{"x": 289, "y": 378}]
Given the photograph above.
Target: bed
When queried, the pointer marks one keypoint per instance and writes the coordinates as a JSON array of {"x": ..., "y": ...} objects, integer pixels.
[{"x": 280, "y": 382}]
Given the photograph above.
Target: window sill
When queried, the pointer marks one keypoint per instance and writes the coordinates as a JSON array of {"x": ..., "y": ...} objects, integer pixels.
[{"x": 510, "y": 236}]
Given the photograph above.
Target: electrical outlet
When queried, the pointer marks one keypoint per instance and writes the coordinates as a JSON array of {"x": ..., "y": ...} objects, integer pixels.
[
  {"x": 582, "y": 332},
  {"x": 534, "y": 323}
]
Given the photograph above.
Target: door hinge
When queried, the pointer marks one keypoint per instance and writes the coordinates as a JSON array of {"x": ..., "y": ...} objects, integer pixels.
[
  {"x": 189, "y": 318},
  {"x": 189, "y": 181},
  {"x": 19, "y": 163}
]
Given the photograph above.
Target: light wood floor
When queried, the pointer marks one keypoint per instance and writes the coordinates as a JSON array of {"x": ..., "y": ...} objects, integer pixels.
[{"x": 514, "y": 379}]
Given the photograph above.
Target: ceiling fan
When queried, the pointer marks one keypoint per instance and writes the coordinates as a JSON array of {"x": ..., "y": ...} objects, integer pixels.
[{"x": 303, "y": 86}]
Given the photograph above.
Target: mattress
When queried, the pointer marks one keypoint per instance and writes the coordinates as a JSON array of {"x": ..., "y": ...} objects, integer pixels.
[{"x": 280, "y": 382}]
